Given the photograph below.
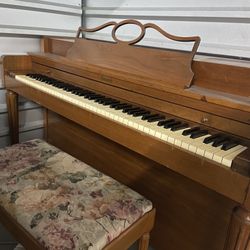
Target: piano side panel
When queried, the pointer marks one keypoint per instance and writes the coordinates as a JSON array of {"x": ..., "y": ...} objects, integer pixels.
[
  {"x": 55, "y": 46},
  {"x": 189, "y": 216},
  {"x": 13, "y": 63}
]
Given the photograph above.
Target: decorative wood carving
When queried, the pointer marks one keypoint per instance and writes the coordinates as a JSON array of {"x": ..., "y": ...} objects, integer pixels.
[
  {"x": 163, "y": 68},
  {"x": 195, "y": 39}
]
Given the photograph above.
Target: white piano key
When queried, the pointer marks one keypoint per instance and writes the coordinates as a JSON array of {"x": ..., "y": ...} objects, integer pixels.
[
  {"x": 210, "y": 151},
  {"x": 197, "y": 143},
  {"x": 218, "y": 156},
  {"x": 187, "y": 142},
  {"x": 227, "y": 160},
  {"x": 173, "y": 136}
]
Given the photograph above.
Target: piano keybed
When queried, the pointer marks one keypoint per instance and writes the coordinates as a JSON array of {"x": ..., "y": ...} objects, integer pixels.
[{"x": 218, "y": 148}]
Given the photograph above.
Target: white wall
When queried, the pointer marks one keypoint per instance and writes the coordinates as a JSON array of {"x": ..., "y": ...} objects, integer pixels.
[
  {"x": 22, "y": 23},
  {"x": 224, "y": 25}
]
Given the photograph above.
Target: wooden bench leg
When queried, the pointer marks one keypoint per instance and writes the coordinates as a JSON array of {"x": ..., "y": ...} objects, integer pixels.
[{"x": 144, "y": 242}]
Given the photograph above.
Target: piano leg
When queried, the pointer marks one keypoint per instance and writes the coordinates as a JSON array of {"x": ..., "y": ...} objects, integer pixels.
[
  {"x": 12, "y": 106},
  {"x": 239, "y": 231}
]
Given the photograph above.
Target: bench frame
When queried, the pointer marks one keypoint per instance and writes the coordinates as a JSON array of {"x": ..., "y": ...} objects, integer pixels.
[{"x": 139, "y": 230}]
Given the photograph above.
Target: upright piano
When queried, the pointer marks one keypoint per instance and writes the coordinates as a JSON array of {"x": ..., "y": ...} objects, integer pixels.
[{"x": 174, "y": 128}]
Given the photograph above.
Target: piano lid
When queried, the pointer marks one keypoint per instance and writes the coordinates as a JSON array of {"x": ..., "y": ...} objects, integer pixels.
[{"x": 161, "y": 67}]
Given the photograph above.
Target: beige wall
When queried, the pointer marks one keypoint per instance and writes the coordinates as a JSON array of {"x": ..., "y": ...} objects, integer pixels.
[
  {"x": 224, "y": 25},
  {"x": 22, "y": 23}
]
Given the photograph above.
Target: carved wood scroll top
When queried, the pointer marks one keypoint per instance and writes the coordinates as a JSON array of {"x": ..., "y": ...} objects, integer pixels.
[
  {"x": 164, "y": 68},
  {"x": 143, "y": 27}
]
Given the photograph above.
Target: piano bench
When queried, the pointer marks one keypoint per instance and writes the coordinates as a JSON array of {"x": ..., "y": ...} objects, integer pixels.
[{"x": 50, "y": 200}]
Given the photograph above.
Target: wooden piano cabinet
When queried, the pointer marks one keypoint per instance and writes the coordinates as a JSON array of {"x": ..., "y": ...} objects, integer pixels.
[
  {"x": 200, "y": 205},
  {"x": 12, "y": 107},
  {"x": 189, "y": 215}
]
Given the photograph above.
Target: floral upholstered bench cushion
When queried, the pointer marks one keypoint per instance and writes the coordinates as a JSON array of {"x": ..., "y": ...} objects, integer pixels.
[{"x": 63, "y": 202}]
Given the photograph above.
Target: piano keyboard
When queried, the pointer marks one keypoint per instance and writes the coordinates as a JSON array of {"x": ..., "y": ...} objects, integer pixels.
[{"x": 218, "y": 148}]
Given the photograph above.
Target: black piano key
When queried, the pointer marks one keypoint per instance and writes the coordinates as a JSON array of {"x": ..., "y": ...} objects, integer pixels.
[
  {"x": 81, "y": 92},
  {"x": 211, "y": 138},
  {"x": 44, "y": 80},
  {"x": 104, "y": 100},
  {"x": 70, "y": 88},
  {"x": 43, "y": 77},
  {"x": 172, "y": 124},
  {"x": 147, "y": 116},
  {"x": 162, "y": 123},
  {"x": 156, "y": 118},
  {"x": 107, "y": 101},
  {"x": 141, "y": 113},
  {"x": 126, "y": 110},
  {"x": 123, "y": 106},
  {"x": 56, "y": 81},
  {"x": 62, "y": 85},
  {"x": 89, "y": 95},
  {"x": 120, "y": 105},
  {"x": 57, "y": 85},
  {"x": 116, "y": 105},
  {"x": 49, "y": 82},
  {"x": 100, "y": 98},
  {"x": 198, "y": 133},
  {"x": 228, "y": 145},
  {"x": 219, "y": 141},
  {"x": 94, "y": 97},
  {"x": 111, "y": 102},
  {"x": 131, "y": 112},
  {"x": 190, "y": 131},
  {"x": 179, "y": 127},
  {"x": 76, "y": 89}
]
